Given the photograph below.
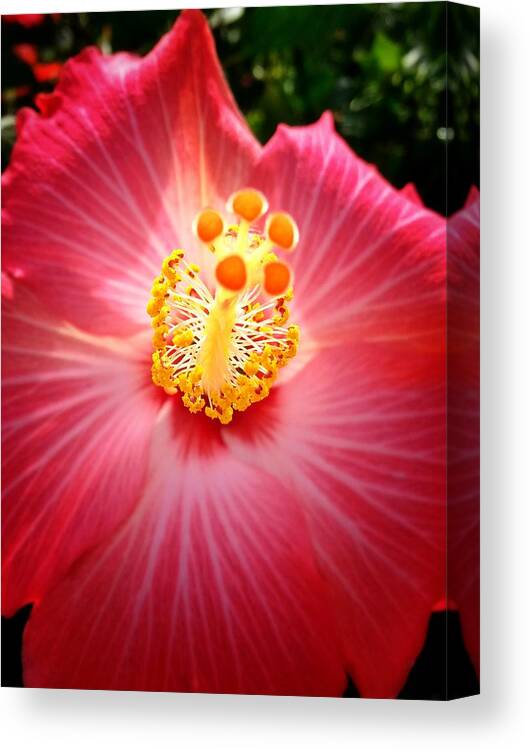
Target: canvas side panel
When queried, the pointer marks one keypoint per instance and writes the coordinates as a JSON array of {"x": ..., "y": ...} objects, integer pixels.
[{"x": 463, "y": 461}]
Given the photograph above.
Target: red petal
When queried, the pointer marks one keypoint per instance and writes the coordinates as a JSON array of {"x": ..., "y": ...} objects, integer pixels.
[
  {"x": 410, "y": 191},
  {"x": 76, "y": 428},
  {"x": 463, "y": 419},
  {"x": 48, "y": 104},
  {"x": 107, "y": 180},
  {"x": 209, "y": 586},
  {"x": 7, "y": 286}
]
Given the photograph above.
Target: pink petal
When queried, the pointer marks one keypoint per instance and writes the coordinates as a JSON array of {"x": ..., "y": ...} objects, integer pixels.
[
  {"x": 364, "y": 453},
  {"x": 358, "y": 432},
  {"x": 209, "y": 586},
  {"x": 77, "y": 421},
  {"x": 107, "y": 179},
  {"x": 463, "y": 419},
  {"x": 370, "y": 261}
]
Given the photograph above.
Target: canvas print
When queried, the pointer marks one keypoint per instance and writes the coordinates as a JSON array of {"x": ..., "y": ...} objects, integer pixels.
[{"x": 240, "y": 350}]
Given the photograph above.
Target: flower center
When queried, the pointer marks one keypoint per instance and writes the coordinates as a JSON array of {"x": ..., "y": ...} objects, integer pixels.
[{"x": 222, "y": 348}]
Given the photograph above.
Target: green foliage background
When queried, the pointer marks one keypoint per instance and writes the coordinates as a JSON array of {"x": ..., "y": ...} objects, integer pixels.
[{"x": 381, "y": 69}]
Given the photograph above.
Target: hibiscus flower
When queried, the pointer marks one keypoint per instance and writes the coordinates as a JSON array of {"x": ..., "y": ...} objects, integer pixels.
[{"x": 300, "y": 538}]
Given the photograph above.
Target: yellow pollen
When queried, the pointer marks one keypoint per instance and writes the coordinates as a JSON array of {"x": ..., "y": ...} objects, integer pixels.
[{"x": 221, "y": 348}]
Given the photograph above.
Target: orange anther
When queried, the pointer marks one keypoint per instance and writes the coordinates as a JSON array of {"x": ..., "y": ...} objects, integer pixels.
[
  {"x": 231, "y": 273},
  {"x": 208, "y": 225},
  {"x": 249, "y": 204},
  {"x": 282, "y": 231},
  {"x": 276, "y": 277}
]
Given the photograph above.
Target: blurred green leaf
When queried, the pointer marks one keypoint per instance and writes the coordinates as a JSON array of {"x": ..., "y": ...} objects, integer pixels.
[{"x": 387, "y": 54}]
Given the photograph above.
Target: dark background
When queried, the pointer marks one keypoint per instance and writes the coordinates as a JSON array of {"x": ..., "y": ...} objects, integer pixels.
[
  {"x": 381, "y": 69},
  {"x": 396, "y": 99}
]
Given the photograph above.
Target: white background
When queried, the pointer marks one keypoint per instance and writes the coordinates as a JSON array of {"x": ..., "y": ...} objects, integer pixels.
[{"x": 499, "y": 718}]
